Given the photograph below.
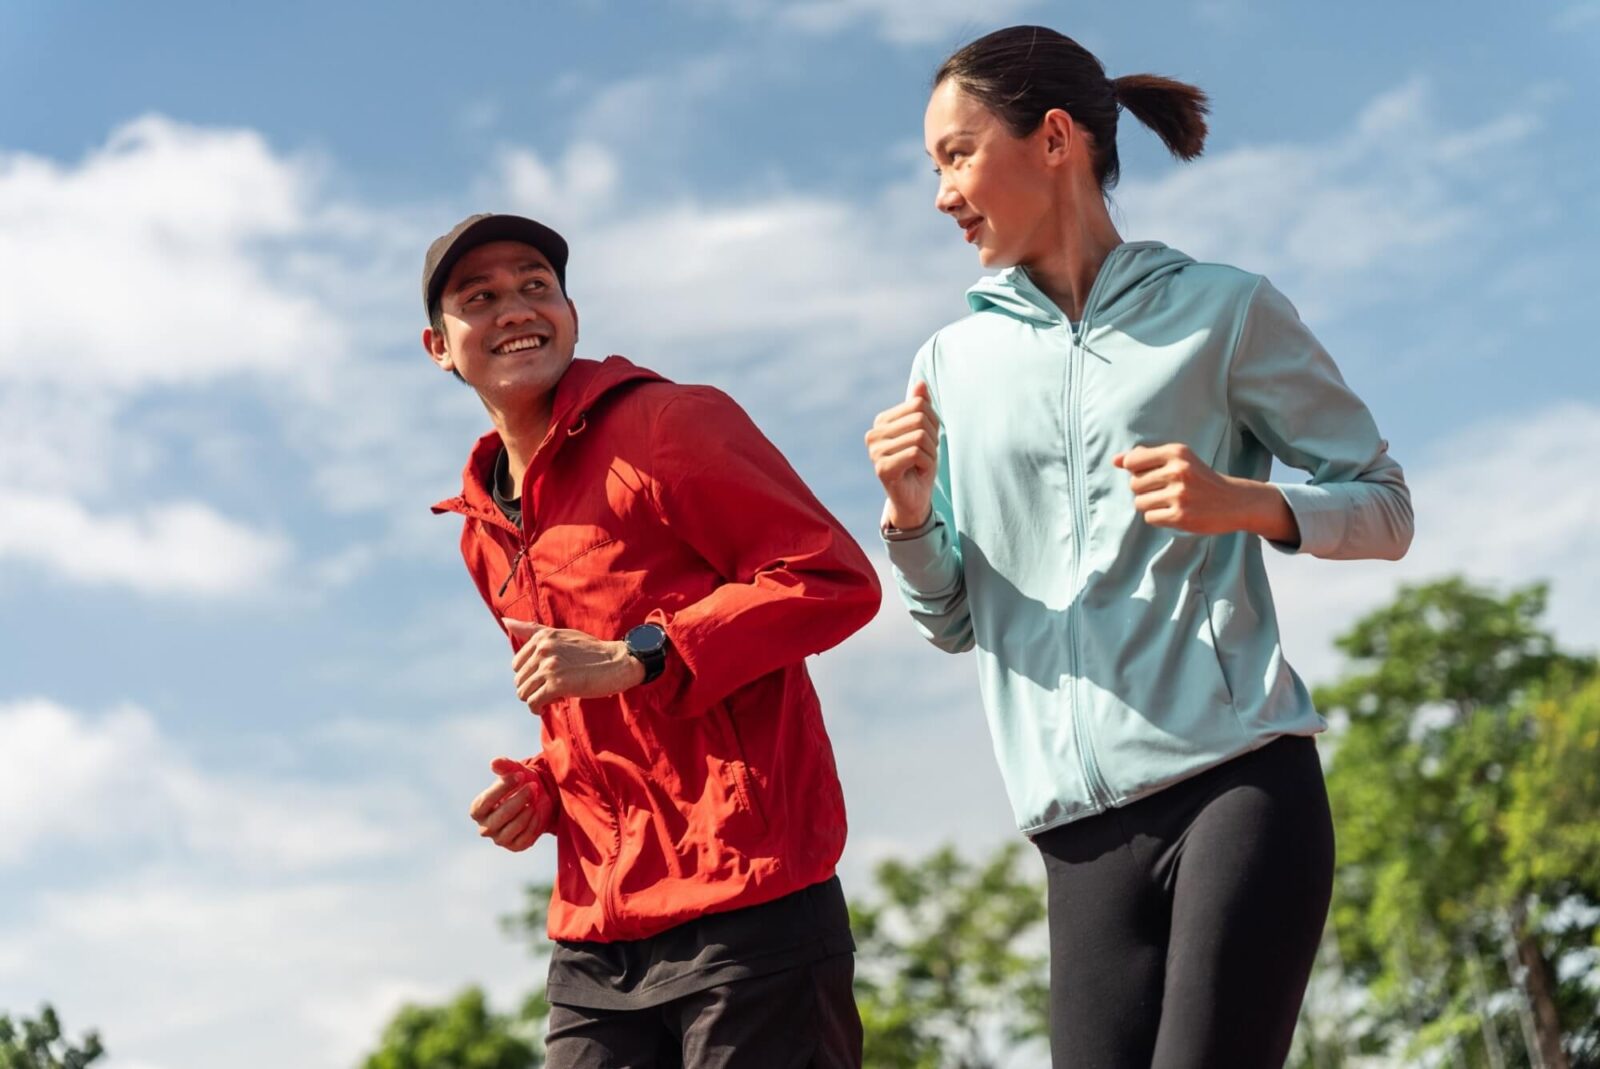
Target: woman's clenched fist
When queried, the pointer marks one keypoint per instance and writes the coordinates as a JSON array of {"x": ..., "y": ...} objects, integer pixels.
[{"x": 904, "y": 446}]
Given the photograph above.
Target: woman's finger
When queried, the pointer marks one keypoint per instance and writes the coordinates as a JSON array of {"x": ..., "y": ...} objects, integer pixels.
[
  {"x": 895, "y": 428},
  {"x": 917, "y": 438}
]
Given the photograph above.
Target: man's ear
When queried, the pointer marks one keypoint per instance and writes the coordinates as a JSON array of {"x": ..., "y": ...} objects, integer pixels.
[{"x": 438, "y": 351}]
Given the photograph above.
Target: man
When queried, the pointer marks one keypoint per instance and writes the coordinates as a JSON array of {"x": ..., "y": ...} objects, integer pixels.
[{"x": 662, "y": 573}]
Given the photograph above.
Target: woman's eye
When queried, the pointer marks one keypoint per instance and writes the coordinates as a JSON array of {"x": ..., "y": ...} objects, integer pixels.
[{"x": 479, "y": 297}]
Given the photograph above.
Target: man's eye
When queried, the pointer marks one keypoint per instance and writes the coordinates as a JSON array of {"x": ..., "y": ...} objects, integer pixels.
[
  {"x": 535, "y": 284},
  {"x": 479, "y": 297}
]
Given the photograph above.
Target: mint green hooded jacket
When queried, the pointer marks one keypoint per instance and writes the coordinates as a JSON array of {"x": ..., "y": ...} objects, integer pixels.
[{"x": 1116, "y": 658}]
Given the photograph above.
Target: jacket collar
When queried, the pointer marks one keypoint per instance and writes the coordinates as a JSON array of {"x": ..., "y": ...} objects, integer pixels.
[
  {"x": 584, "y": 384},
  {"x": 1128, "y": 275}
]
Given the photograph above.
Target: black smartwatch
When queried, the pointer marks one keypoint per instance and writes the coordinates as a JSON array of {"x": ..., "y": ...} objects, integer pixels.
[{"x": 648, "y": 643}]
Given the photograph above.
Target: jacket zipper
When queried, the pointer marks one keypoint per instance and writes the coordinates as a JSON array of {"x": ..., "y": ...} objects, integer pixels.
[
  {"x": 1077, "y": 469},
  {"x": 575, "y": 731},
  {"x": 1077, "y": 487},
  {"x": 512, "y": 571}
]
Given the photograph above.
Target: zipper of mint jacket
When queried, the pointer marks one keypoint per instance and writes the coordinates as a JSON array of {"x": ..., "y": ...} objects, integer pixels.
[{"x": 1077, "y": 490}]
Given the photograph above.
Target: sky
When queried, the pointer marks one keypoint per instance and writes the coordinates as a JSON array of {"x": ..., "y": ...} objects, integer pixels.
[{"x": 246, "y": 688}]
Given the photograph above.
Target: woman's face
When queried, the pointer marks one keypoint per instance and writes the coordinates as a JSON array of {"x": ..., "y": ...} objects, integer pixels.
[{"x": 998, "y": 187}]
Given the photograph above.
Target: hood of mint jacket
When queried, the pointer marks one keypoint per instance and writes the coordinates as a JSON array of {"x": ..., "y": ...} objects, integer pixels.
[{"x": 1114, "y": 657}]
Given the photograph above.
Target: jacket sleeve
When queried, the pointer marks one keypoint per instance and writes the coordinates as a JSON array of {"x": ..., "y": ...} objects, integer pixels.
[
  {"x": 1284, "y": 388},
  {"x": 539, "y": 765},
  {"x": 795, "y": 582},
  {"x": 927, "y": 561}
]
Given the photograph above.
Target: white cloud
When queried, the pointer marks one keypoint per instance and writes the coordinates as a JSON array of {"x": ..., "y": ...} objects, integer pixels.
[
  {"x": 167, "y": 258},
  {"x": 226, "y": 899},
  {"x": 582, "y": 183},
  {"x": 116, "y": 782},
  {"x": 53, "y": 439},
  {"x": 1397, "y": 198},
  {"x": 181, "y": 548},
  {"x": 651, "y": 116},
  {"x": 54, "y": 775},
  {"x": 325, "y": 961},
  {"x": 816, "y": 302},
  {"x": 1492, "y": 504},
  {"x": 145, "y": 263},
  {"x": 901, "y": 22}
]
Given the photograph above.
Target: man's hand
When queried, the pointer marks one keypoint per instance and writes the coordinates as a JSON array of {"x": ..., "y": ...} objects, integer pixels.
[
  {"x": 904, "y": 446},
  {"x": 1174, "y": 488},
  {"x": 556, "y": 663},
  {"x": 515, "y": 810}
]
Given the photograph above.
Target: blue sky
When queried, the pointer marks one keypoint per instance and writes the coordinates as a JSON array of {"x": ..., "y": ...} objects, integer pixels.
[{"x": 246, "y": 690}]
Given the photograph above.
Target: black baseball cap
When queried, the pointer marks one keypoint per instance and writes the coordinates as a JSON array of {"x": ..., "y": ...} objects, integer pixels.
[{"x": 481, "y": 229}]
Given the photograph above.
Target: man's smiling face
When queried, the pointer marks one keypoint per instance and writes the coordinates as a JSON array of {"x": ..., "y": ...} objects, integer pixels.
[{"x": 508, "y": 327}]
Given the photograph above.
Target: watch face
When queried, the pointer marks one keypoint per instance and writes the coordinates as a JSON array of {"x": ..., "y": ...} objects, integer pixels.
[{"x": 647, "y": 639}]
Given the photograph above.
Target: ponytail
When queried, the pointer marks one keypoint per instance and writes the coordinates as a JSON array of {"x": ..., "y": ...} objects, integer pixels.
[{"x": 1175, "y": 110}]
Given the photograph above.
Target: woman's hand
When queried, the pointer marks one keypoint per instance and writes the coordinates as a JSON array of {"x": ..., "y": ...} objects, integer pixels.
[
  {"x": 904, "y": 446},
  {"x": 1174, "y": 488}
]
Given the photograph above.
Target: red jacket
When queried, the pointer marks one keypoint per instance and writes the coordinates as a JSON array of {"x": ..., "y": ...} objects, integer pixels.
[{"x": 712, "y": 787}]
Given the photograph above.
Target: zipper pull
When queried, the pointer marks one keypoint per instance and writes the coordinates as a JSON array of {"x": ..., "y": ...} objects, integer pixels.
[{"x": 514, "y": 562}]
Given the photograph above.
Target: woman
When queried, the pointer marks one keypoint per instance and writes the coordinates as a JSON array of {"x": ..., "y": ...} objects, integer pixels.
[{"x": 1077, "y": 489}]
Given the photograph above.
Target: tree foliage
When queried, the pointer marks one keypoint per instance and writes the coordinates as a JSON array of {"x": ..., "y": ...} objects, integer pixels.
[
  {"x": 462, "y": 1034},
  {"x": 27, "y": 1043},
  {"x": 951, "y": 962},
  {"x": 1463, "y": 785}
]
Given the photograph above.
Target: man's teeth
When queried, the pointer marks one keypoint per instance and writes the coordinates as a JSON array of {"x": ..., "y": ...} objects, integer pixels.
[{"x": 520, "y": 344}]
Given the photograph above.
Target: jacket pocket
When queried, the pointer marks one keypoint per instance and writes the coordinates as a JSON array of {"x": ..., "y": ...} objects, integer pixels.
[{"x": 739, "y": 767}]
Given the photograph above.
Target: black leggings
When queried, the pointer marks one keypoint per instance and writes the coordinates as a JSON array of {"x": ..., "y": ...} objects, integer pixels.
[{"x": 1183, "y": 925}]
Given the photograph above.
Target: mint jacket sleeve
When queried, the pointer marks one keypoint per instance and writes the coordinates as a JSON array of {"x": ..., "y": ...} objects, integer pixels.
[
  {"x": 1286, "y": 391},
  {"x": 927, "y": 561}
]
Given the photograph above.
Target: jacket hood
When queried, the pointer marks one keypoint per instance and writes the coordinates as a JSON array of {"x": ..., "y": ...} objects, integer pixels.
[
  {"x": 585, "y": 384},
  {"x": 1125, "y": 279}
]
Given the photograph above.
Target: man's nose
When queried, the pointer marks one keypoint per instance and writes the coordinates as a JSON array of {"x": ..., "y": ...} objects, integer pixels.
[{"x": 516, "y": 308}]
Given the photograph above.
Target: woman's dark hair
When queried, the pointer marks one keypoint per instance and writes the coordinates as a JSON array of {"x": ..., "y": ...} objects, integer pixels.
[{"x": 1021, "y": 72}]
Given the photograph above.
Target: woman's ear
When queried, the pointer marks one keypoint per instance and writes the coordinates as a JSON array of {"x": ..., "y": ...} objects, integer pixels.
[{"x": 1060, "y": 135}]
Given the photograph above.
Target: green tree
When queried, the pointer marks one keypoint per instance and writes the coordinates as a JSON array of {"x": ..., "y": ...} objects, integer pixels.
[
  {"x": 1455, "y": 757},
  {"x": 462, "y": 1034},
  {"x": 1552, "y": 833},
  {"x": 951, "y": 962},
  {"x": 40, "y": 1044}
]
